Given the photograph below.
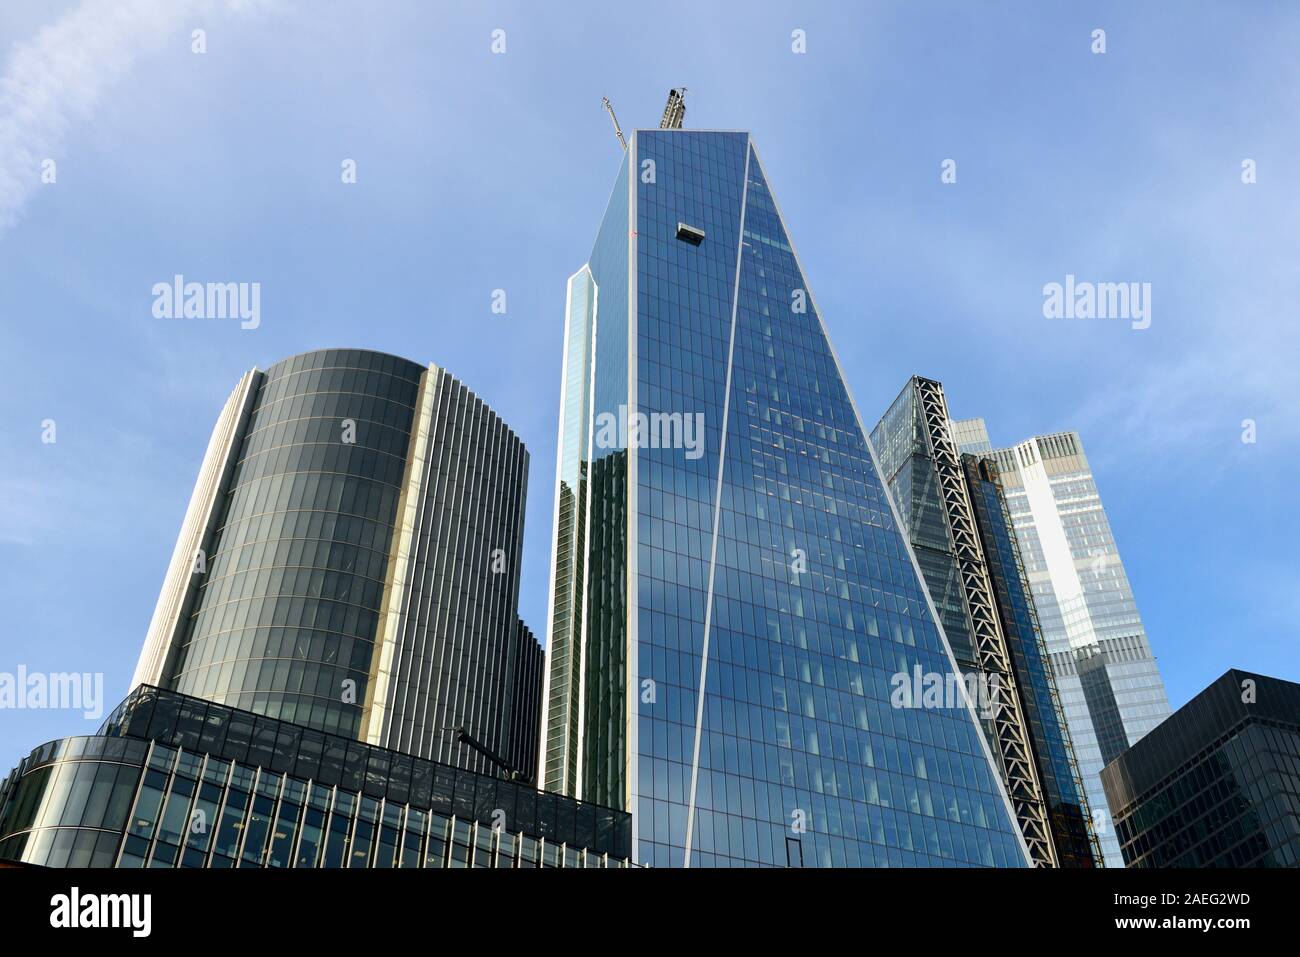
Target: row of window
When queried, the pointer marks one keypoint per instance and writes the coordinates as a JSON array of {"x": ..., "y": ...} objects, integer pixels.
[
  {"x": 361, "y": 359},
  {"x": 335, "y": 761},
  {"x": 299, "y": 644},
  {"x": 261, "y": 535},
  {"x": 317, "y": 426},
  {"x": 328, "y": 457},
  {"x": 214, "y": 814},
  {"x": 344, "y": 495},
  {"x": 354, "y": 382}
]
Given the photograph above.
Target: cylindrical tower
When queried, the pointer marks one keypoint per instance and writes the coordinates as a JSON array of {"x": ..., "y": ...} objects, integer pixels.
[{"x": 350, "y": 560}]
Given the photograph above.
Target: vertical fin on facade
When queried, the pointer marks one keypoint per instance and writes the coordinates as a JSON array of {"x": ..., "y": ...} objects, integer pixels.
[
  {"x": 184, "y": 569},
  {"x": 396, "y": 600}
]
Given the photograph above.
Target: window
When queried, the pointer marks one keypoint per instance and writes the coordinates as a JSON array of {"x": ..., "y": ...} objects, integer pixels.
[{"x": 690, "y": 234}]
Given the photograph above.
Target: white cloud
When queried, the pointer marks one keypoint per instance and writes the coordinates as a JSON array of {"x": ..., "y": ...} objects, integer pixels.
[{"x": 56, "y": 79}]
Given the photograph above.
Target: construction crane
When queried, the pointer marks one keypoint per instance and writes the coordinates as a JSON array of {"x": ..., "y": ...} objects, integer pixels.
[
  {"x": 674, "y": 113},
  {"x": 617, "y": 131},
  {"x": 674, "y": 110}
]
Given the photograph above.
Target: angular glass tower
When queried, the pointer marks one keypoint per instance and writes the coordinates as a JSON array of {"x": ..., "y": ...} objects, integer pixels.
[
  {"x": 350, "y": 562},
  {"x": 732, "y": 594},
  {"x": 1110, "y": 687},
  {"x": 957, "y": 518}
]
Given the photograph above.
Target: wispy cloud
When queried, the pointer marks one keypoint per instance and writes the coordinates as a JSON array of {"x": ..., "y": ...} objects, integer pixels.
[
  {"x": 58, "y": 78},
  {"x": 1159, "y": 415}
]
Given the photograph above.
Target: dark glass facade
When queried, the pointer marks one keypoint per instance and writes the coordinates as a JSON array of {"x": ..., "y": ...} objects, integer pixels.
[
  {"x": 288, "y": 610},
  {"x": 176, "y": 781},
  {"x": 746, "y": 597},
  {"x": 1217, "y": 783},
  {"x": 525, "y": 702},
  {"x": 350, "y": 562},
  {"x": 1069, "y": 814},
  {"x": 988, "y": 613}
]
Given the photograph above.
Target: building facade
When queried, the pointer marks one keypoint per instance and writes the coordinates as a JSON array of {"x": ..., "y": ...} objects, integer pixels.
[
  {"x": 1106, "y": 673},
  {"x": 1217, "y": 784},
  {"x": 960, "y": 528},
  {"x": 349, "y": 562},
  {"x": 176, "y": 781},
  {"x": 731, "y": 592}
]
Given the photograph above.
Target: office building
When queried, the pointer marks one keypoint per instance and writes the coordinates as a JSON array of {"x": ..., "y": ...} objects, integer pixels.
[
  {"x": 732, "y": 593},
  {"x": 957, "y": 519},
  {"x": 1106, "y": 673},
  {"x": 172, "y": 780},
  {"x": 1217, "y": 783},
  {"x": 335, "y": 674},
  {"x": 349, "y": 562},
  {"x": 971, "y": 436}
]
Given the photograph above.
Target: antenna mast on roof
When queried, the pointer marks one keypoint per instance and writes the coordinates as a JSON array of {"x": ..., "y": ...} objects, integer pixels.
[
  {"x": 617, "y": 131},
  {"x": 674, "y": 110}
]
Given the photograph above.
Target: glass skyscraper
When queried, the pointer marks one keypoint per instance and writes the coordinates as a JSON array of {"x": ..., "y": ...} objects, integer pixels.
[
  {"x": 1110, "y": 687},
  {"x": 960, "y": 527},
  {"x": 732, "y": 595},
  {"x": 349, "y": 562}
]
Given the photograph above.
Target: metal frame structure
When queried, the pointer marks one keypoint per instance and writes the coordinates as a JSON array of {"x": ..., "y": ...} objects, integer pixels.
[{"x": 1021, "y": 775}]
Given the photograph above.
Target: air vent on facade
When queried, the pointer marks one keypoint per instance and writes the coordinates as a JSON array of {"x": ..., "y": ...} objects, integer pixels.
[{"x": 690, "y": 234}]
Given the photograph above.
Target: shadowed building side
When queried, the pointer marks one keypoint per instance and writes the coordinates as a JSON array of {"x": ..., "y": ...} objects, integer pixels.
[{"x": 1216, "y": 783}]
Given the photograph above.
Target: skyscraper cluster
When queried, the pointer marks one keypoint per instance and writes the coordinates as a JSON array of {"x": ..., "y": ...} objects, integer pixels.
[{"x": 776, "y": 635}]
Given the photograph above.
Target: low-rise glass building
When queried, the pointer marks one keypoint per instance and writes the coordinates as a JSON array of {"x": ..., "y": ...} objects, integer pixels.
[{"x": 172, "y": 780}]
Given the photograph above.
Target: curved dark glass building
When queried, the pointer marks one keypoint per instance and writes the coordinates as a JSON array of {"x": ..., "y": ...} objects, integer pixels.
[
  {"x": 349, "y": 562},
  {"x": 175, "y": 781}
]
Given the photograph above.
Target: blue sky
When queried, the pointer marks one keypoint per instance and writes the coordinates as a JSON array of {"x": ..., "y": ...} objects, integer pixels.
[{"x": 479, "y": 171}]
